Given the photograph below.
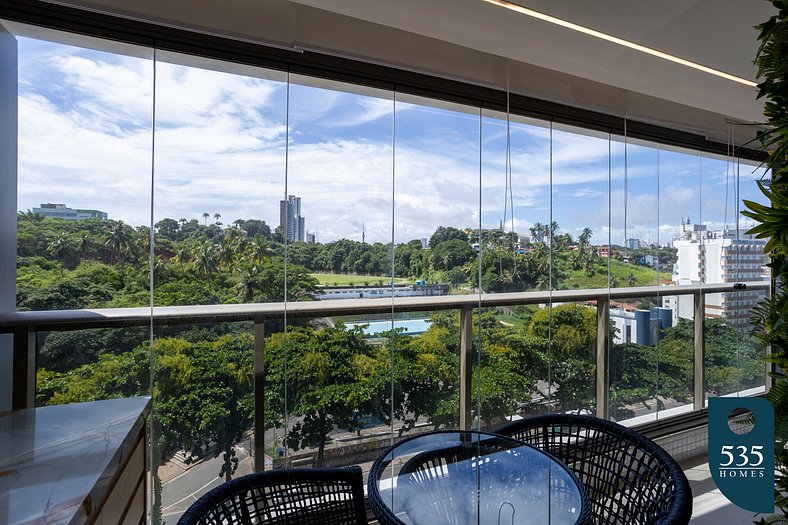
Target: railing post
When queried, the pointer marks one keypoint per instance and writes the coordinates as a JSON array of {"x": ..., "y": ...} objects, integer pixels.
[
  {"x": 602, "y": 357},
  {"x": 23, "y": 393},
  {"x": 466, "y": 367},
  {"x": 259, "y": 396},
  {"x": 699, "y": 398}
]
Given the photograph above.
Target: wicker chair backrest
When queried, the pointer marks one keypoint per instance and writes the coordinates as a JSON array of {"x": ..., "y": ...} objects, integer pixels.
[
  {"x": 301, "y": 496},
  {"x": 629, "y": 478}
]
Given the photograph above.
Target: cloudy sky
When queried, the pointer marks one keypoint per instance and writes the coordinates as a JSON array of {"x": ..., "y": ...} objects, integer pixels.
[{"x": 234, "y": 140}]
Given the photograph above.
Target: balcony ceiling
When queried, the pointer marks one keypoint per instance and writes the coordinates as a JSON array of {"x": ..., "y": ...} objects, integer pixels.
[
  {"x": 714, "y": 33},
  {"x": 476, "y": 41}
]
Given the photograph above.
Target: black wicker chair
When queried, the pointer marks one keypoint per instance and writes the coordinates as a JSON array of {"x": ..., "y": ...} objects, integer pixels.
[
  {"x": 628, "y": 478},
  {"x": 289, "y": 496}
]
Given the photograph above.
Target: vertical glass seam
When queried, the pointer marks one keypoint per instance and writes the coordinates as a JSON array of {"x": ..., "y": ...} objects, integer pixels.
[{"x": 284, "y": 284}]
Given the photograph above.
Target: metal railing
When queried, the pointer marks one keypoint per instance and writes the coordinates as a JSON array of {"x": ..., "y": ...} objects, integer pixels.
[{"x": 25, "y": 325}]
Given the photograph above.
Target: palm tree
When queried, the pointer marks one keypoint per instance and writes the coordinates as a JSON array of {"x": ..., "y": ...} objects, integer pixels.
[
  {"x": 247, "y": 280},
  {"x": 85, "y": 241},
  {"x": 585, "y": 237},
  {"x": 205, "y": 216},
  {"x": 61, "y": 248},
  {"x": 119, "y": 240},
  {"x": 182, "y": 255},
  {"x": 217, "y": 216},
  {"x": 260, "y": 251},
  {"x": 538, "y": 231},
  {"x": 578, "y": 259},
  {"x": 226, "y": 252},
  {"x": 205, "y": 260},
  {"x": 160, "y": 268}
]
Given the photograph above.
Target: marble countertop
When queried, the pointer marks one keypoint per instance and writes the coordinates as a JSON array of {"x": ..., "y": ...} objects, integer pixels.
[{"x": 56, "y": 462}]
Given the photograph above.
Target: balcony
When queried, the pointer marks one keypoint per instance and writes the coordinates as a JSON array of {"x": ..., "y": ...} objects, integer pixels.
[{"x": 520, "y": 250}]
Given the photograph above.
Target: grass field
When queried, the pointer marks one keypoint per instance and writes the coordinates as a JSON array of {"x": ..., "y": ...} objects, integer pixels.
[
  {"x": 341, "y": 279},
  {"x": 644, "y": 276}
]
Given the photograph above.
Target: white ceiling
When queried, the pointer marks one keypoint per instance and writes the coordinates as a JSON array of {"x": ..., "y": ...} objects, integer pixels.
[{"x": 716, "y": 33}]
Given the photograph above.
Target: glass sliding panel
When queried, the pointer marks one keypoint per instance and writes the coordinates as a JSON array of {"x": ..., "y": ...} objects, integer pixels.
[
  {"x": 581, "y": 255},
  {"x": 515, "y": 258},
  {"x": 84, "y": 168},
  {"x": 651, "y": 359},
  {"x": 336, "y": 224},
  {"x": 733, "y": 356},
  {"x": 633, "y": 262},
  {"x": 426, "y": 372},
  {"x": 680, "y": 225},
  {"x": 219, "y": 175},
  {"x": 85, "y": 123},
  {"x": 437, "y": 192},
  {"x": 220, "y": 132}
]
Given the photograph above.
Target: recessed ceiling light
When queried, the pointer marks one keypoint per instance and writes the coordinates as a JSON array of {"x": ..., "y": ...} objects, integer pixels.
[{"x": 620, "y": 41}]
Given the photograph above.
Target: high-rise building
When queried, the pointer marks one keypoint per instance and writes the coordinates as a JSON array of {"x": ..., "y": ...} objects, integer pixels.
[
  {"x": 722, "y": 256},
  {"x": 290, "y": 220},
  {"x": 61, "y": 211}
]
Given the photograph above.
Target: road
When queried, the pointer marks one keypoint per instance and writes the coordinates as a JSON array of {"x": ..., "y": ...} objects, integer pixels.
[{"x": 180, "y": 492}]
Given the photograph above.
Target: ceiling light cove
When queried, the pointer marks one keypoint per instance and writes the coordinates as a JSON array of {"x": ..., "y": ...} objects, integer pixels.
[{"x": 620, "y": 41}]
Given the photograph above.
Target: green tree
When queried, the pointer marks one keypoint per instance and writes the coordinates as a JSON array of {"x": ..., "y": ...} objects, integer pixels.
[
  {"x": 446, "y": 233},
  {"x": 451, "y": 254},
  {"x": 329, "y": 375},
  {"x": 259, "y": 250},
  {"x": 63, "y": 250},
  {"x": 206, "y": 261},
  {"x": 168, "y": 228},
  {"x": 119, "y": 238},
  {"x": 570, "y": 333}
]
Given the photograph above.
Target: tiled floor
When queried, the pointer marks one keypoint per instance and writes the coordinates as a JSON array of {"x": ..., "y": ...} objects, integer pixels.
[{"x": 710, "y": 507}]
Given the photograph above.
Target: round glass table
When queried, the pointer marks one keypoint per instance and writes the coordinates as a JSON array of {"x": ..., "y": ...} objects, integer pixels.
[{"x": 464, "y": 477}]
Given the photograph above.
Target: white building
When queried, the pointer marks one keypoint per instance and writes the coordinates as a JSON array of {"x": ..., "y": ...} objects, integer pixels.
[
  {"x": 707, "y": 257},
  {"x": 61, "y": 211}
]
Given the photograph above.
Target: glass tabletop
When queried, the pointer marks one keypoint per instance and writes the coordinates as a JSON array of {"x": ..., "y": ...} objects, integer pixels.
[{"x": 463, "y": 477}]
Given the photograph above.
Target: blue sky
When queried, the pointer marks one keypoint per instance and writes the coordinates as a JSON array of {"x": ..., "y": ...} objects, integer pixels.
[{"x": 87, "y": 139}]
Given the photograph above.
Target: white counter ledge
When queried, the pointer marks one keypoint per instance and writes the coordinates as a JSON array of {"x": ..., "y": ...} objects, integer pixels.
[{"x": 62, "y": 464}]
